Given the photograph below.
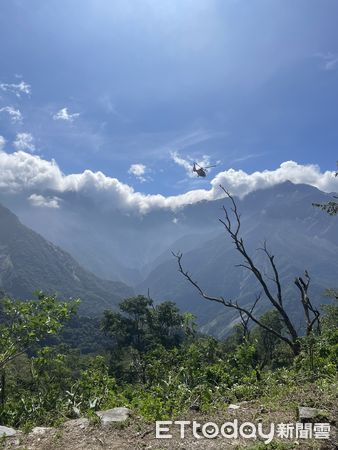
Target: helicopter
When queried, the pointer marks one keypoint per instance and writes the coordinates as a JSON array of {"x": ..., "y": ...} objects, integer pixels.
[{"x": 201, "y": 171}]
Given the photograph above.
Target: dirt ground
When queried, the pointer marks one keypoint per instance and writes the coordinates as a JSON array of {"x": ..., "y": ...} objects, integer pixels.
[{"x": 136, "y": 434}]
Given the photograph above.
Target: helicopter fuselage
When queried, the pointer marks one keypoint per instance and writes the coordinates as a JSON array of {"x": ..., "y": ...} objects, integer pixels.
[{"x": 201, "y": 172}]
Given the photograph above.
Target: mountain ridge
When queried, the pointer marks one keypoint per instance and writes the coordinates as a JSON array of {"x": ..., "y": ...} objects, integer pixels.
[
  {"x": 28, "y": 262},
  {"x": 105, "y": 252},
  {"x": 301, "y": 236}
]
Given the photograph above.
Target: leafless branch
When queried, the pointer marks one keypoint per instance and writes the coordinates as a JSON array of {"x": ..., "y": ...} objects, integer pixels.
[
  {"x": 232, "y": 225},
  {"x": 303, "y": 286},
  {"x": 276, "y": 278},
  {"x": 275, "y": 299},
  {"x": 230, "y": 303}
]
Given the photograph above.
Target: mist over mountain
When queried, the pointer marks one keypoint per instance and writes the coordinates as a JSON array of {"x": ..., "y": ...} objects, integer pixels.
[
  {"x": 136, "y": 249},
  {"x": 108, "y": 241},
  {"x": 28, "y": 263}
]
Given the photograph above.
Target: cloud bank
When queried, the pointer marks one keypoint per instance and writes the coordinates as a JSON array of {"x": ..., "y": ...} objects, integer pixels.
[{"x": 22, "y": 172}]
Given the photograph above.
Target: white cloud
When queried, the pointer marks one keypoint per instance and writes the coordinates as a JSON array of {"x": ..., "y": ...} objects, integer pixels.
[
  {"x": 63, "y": 114},
  {"x": 23, "y": 172},
  {"x": 241, "y": 183},
  {"x": 24, "y": 141},
  {"x": 187, "y": 165},
  {"x": 139, "y": 171},
  {"x": 17, "y": 89},
  {"x": 14, "y": 114},
  {"x": 44, "y": 202},
  {"x": 2, "y": 142}
]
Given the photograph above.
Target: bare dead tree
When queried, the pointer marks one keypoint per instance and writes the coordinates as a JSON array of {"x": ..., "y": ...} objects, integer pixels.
[
  {"x": 311, "y": 313},
  {"x": 245, "y": 319},
  {"x": 275, "y": 296}
]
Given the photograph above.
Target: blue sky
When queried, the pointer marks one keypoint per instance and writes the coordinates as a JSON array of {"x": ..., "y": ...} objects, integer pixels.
[{"x": 107, "y": 84}]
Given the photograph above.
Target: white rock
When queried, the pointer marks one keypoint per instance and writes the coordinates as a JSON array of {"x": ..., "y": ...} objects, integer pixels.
[
  {"x": 6, "y": 431},
  {"x": 233, "y": 407},
  {"x": 306, "y": 414},
  {"x": 114, "y": 415}
]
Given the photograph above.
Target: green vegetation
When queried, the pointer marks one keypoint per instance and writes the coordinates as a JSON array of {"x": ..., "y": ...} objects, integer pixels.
[
  {"x": 55, "y": 364},
  {"x": 25, "y": 323},
  {"x": 152, "y": 360}
]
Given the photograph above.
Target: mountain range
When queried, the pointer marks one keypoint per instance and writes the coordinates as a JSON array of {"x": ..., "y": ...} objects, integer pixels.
[
  {"x": 301, "y": 238},
  {"x": 136, "y": 250}
]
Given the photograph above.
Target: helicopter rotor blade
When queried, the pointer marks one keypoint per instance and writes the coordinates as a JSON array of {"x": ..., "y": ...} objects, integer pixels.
[{"x": 208, "y": 167}]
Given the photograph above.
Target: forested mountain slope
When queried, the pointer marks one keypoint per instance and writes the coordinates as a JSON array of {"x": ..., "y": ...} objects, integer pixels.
[{"x": 28, "y": 262}]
